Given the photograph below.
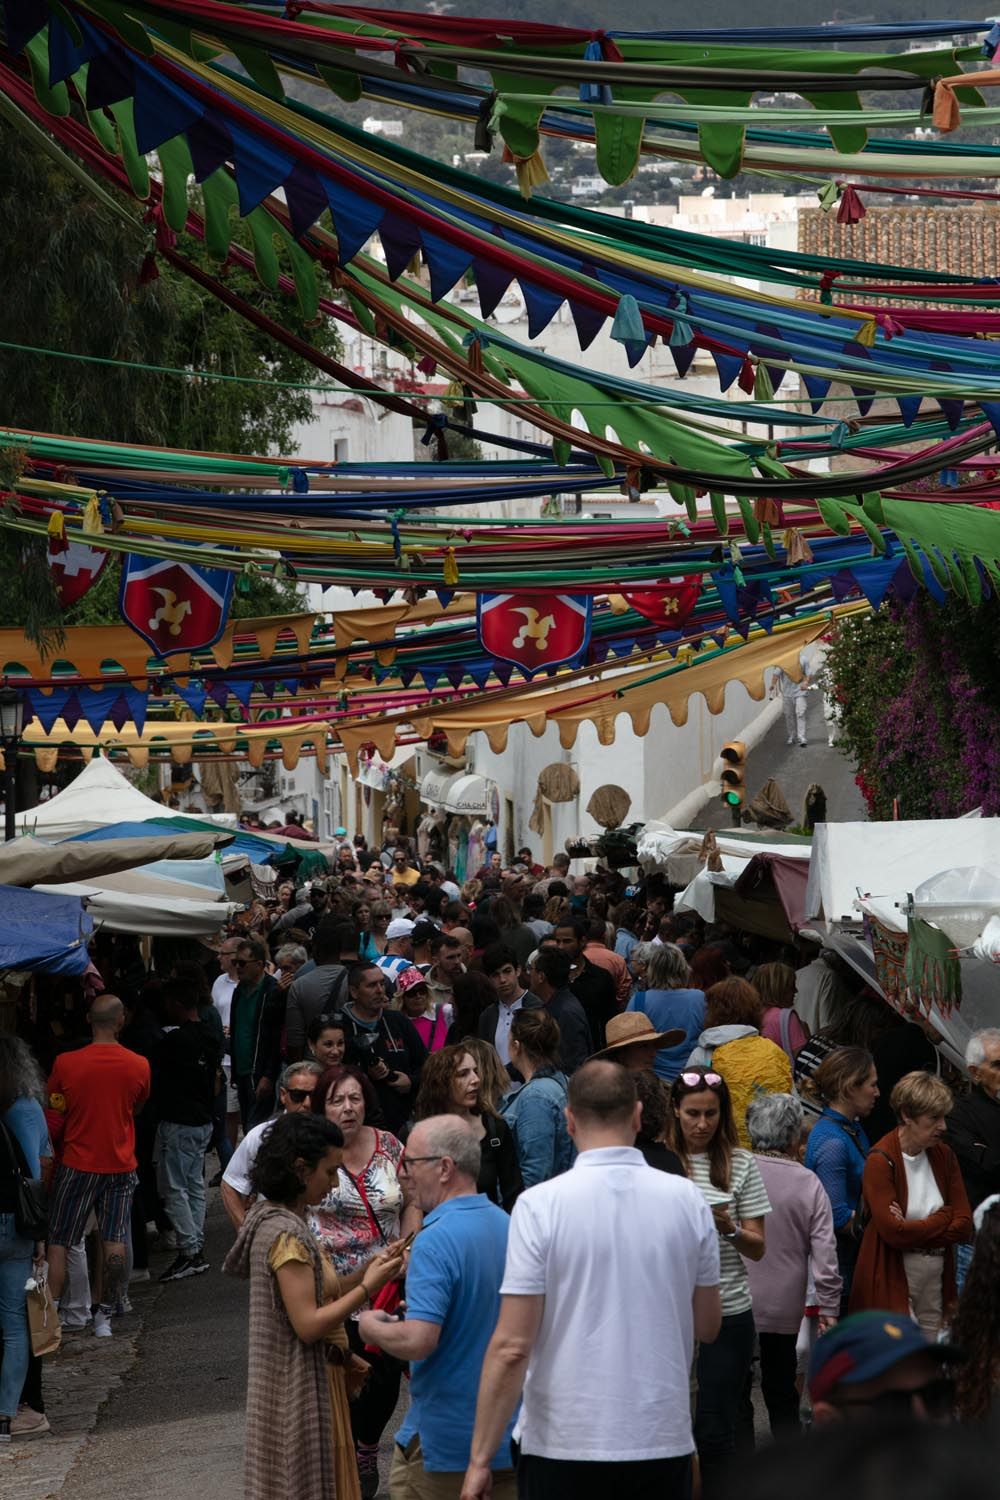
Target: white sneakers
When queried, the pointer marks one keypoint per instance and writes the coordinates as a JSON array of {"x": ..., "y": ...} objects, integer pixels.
[{"x": 102, "y": 1323}]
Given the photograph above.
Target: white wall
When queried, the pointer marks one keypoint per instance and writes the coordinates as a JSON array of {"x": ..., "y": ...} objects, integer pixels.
[{"x": 656, "y": 770}]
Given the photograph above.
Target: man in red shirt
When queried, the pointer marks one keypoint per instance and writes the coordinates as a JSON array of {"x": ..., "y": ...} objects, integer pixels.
[{"x": 98, "y": 1090}]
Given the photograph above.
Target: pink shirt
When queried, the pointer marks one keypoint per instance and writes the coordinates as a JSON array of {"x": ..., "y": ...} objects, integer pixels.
[
  {"x": 770, "y": 1027},
  {"x": 800, "y": 1240}
]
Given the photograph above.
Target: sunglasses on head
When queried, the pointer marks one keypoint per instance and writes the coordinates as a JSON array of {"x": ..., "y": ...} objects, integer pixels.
[{"x": 701, "y": 1080}]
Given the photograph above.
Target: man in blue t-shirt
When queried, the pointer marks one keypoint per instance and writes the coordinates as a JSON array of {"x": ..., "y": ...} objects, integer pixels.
[{"x": 452, "y": 1303}]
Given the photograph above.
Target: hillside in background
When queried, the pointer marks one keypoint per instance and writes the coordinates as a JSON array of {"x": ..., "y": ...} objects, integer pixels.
[{"x": 651, "y": 15}]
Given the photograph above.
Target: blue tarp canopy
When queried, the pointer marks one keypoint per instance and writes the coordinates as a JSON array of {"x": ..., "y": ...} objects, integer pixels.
[
  {"x": 42, "y": 932},
  {"x": 236, "y": 841}
]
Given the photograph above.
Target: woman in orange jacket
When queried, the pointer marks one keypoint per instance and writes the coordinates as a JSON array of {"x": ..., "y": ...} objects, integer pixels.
[{"x": 919, "y": 1211}]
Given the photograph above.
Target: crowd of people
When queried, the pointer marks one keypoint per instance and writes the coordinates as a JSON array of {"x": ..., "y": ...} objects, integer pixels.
[{"x": 581, "y": 1167}]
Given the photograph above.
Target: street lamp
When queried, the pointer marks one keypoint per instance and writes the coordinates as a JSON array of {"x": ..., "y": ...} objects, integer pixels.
[{"x": 11, "y": 726}]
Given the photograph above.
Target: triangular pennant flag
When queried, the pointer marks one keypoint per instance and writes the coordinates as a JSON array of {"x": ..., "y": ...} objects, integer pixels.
[
  {"x": 47, "y": 707},
  {"x": 864, "y": 400},
  {"x": 951, "y": 410},
  {"x": 492, "y": 281},
  {"x": 909, "y": 406},
  {"x": 119, "y": 713},
  {"x": 259, "y": 169},
  {"x": 817, "y": 387},
  {"x": 728, "y": 366},
  {"x": 219, "y": 693},
  {"x": 66, "y": 56},
  {"x": 447, "y": 263},
  {"x": 444, "y": 597},
  {"x": 480, "y": 672},
  {"x": 354, "y": 218},
  {"x": 588, "y": 320},
  {"x": 683, "y": 357},
  {"x": 72, "y": 712},
  {"x": 110, "y": 78},
  {"x": 195, "y": 698},
  {"x": 541, "y": 304},
  {"x": 210, "y": 145},
  {"x": 160, "y": 110},
  {"x": 991, "y": 411},
  {"x": 305, "y": 198},
  {"x": 241, "y": 689},
  {"x": 137, "y": 702},
  {"x": 400, "y": 242}
]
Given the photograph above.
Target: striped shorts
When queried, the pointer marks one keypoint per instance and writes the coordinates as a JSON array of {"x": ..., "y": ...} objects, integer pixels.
[{"x": 75, "y": 1194}]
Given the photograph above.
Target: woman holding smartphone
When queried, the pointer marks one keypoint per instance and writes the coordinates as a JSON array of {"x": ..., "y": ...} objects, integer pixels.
[{"x": 703, "y": 1134}]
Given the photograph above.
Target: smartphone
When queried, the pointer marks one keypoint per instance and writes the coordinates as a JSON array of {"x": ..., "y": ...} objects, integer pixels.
[{"x": 408, "y": 1241}]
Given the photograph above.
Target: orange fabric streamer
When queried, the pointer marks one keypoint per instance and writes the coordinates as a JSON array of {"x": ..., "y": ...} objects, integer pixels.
[{"x": 947, "y": 115}]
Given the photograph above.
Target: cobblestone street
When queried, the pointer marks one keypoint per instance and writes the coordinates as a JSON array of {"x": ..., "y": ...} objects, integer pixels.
[{"x": 158, "y": 1410}]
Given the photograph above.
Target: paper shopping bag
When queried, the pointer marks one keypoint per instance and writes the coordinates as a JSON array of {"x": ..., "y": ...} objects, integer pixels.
[{"x": 43, "y": 1319}]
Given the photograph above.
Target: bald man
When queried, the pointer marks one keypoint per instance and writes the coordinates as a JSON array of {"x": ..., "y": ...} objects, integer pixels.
[{"x": 98, "y": 1089}]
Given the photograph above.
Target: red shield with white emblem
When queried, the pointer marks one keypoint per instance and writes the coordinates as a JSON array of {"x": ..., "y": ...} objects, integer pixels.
[
  {"x": 534, "y": 631},
  {"x": 175, "y": 606},
  {"x": 670, "y": 604},
  {"x": 75, "y": 570}
]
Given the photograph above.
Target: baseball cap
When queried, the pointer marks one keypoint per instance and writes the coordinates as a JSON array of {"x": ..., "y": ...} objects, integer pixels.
[
  {"x": 408, "y": 979},
  {"x": 399, "y": 927},
  {"x": 865, "y": 1345}
]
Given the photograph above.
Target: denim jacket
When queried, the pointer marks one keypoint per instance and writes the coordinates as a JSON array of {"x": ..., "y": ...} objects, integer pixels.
[{"x": 535, "y": 1115}]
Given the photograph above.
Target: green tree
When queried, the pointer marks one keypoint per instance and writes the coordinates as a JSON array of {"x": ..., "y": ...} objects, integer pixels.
[{"x": 74, "y": 285}]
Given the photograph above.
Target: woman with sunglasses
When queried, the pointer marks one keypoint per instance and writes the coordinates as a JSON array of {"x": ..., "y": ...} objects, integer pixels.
[
  {"x": 362, "y": 1213},
  {"x": 703, "y": 1134}
]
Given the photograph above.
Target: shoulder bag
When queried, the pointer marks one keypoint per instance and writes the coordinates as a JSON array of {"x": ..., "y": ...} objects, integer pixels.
[{"x": 31, "y": 1201}]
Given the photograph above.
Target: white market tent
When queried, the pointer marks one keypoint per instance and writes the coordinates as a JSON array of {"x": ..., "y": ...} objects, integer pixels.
[
  {"x": 98, "y": 797},
  {"x": 148, "y": 916},
  {"x": 887, "y": 861}
]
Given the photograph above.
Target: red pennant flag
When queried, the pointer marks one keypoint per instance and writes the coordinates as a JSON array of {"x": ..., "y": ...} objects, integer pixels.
[{"x": 670, "y": 604}]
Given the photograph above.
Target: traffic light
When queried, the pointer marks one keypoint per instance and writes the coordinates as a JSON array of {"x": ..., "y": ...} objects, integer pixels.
[{"x": 733, "y": 778}]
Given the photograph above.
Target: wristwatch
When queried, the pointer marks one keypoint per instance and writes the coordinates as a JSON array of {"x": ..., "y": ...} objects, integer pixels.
[{"x": 732, "y": 1237}]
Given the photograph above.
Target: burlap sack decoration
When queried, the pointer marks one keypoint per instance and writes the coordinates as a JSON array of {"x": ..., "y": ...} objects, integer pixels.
[{"x": 609, "y": 806}]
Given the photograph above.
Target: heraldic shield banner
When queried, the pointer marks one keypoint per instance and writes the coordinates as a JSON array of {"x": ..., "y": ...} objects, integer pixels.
[
  {"x": 175, "y": 606},
  {"x": 535, "y": 631}
]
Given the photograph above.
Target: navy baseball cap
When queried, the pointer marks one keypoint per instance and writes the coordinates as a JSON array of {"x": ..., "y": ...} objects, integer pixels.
[{"x": 864, "y": 1346}]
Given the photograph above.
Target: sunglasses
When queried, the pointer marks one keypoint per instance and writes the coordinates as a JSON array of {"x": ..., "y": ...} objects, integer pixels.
[
  {"x": 701, "y": 1080},
  {"x": 299, "y": 1096}
]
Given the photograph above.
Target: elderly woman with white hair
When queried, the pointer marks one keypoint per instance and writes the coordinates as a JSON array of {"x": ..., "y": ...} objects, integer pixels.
[
  {"x": 800, "y": 1241},
  {"x": 671, "y": 1004}
]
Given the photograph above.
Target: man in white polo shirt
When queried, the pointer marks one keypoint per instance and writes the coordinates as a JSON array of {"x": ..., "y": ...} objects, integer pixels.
[
  {"x": 295, "y": 1087},
  {"x": 612, "y": 1273}
]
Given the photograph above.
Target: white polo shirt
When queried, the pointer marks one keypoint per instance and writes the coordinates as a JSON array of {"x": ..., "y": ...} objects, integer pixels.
[
  {"x": 237, "y": 1174},
  {"x": 617, "y": 1250}
]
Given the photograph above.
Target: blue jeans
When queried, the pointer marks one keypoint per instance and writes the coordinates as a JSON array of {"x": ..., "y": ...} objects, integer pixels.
[
  {"x": 180, "y": 1173},
  {"x": 15, "y": 1268}
]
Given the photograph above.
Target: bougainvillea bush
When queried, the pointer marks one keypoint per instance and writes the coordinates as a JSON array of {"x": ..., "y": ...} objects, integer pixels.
[{"x": 917, "y": 694}]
